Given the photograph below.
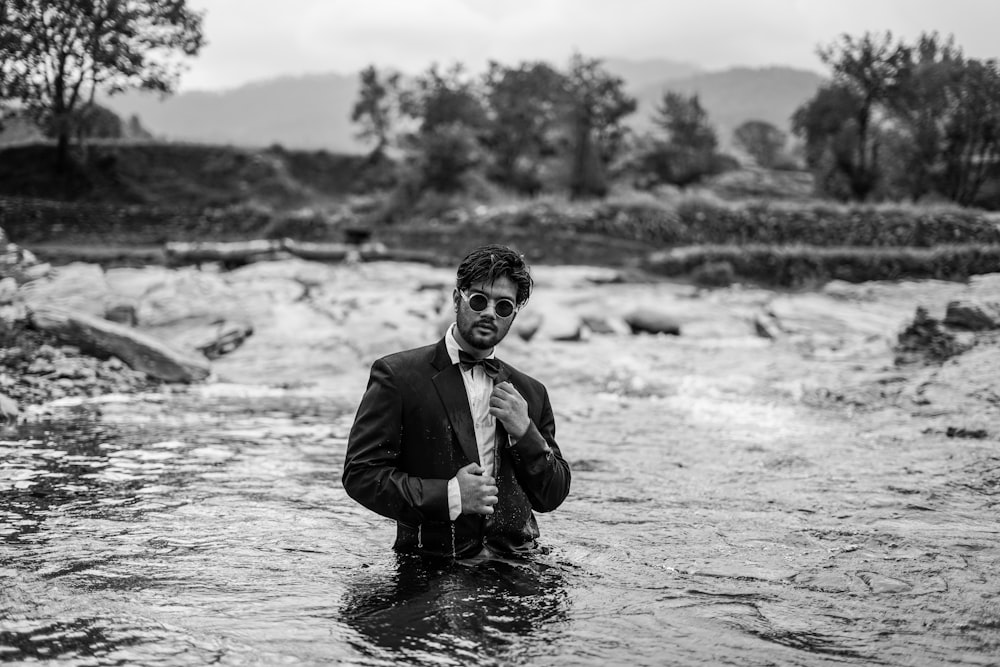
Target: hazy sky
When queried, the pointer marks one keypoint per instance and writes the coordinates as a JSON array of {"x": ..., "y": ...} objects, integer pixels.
[{"x": 260, "y": 39}]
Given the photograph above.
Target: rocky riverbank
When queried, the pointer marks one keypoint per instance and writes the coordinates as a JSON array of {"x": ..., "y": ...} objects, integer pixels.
[{"x": 292, "y": 322}]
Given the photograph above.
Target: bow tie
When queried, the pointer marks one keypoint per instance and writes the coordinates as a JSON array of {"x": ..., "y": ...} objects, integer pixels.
[{"x": 467, "y": 361}]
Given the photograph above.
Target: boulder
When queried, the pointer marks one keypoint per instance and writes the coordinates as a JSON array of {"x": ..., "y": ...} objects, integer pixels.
[
  {"x": 76, "y": 286},
  {"x": 527, "y": 324},
  {"x": 9, "y": 411},
  {"x": 225, "y": 337},
  {"x": 926, "y": 341},
  {"x": 122, "y": 312},
  {"x": 8, "y": 290},
  {"x": 102, "y": 338},
  {"x": 972, "y": 315},
  {"x": 651, "y": 320}
]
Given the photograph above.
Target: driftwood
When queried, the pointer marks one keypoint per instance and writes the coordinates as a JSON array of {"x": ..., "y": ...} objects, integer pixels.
[
  {"x": 102, "y": 338},
  {"x": 321, "y": 252},
  {"x": 233, "y": 253}
]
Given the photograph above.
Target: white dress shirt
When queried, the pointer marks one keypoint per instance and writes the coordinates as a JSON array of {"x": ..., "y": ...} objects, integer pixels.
[{"x": 479, "y": 388}]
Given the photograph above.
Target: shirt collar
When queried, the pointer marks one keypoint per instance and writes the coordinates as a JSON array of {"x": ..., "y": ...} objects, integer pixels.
[{"x": 454, "y": 347}]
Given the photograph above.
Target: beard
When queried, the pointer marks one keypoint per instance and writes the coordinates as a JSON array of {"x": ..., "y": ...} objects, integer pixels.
[{"x": 481, "y": 334}]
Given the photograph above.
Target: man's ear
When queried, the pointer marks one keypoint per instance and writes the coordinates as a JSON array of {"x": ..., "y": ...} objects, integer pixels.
[{"x": 455, "y": 298}]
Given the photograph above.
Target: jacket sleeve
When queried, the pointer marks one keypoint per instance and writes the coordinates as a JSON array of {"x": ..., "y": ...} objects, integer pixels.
[
  {"x": 539, "y": 466},
  {"x": 372, "y": 473}
]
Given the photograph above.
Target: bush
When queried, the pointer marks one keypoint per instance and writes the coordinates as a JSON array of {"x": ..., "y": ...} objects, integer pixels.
[{"x": 800, "y": 265}]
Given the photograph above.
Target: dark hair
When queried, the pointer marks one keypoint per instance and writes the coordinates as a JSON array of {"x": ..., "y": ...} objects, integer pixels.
[{"x": 489, "y": 262}]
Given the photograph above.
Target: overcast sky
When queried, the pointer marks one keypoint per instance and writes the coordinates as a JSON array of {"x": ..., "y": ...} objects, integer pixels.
[{"x": 259, "y": 39}]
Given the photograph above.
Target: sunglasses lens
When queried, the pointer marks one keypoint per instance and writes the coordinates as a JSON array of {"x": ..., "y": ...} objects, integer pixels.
[
  {"x": 504, "y": 308},
  {"x": 478, "y": 302}
]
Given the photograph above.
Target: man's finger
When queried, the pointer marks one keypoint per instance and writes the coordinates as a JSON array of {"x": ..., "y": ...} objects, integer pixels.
[{"x": 472, "y": 469}]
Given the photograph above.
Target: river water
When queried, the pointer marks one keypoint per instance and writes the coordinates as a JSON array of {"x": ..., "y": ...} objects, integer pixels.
[{"x": 717, "y": 516}]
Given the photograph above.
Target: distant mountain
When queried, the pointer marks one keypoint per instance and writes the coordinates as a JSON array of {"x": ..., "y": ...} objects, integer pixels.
[
  {"x": 735, "y": 95},
  {"x": 313, "y": 112},
  {"x": 639, "y": 74},
  {"x": 306, "y": 112}
]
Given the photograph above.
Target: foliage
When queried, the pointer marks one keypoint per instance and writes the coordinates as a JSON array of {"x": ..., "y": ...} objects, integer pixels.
[
  {"x": 763, "y": 141},
  {"x": 451, "y": 122},
  {"x": 804, "y": 266},
  {"x": 665, "y": 162},
  {"x": 903, "y": 120},
  {"x": 598, "y": 105},
  {"x": 685, "y": 122},
  {"x": 444, "y": 154},
  {"x": 687, "y": 154},
  {"x": 376, "y": 108},
  {"x": 525, "y": 106},
  {"x": 57, "y": 54}
]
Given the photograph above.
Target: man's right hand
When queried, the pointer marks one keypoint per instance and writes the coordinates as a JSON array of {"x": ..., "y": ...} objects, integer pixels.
[{"x": 479, "y": 491}]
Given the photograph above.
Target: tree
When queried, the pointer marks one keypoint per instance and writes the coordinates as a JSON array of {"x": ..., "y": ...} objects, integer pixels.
[
  {"x": 687, "y": 151},
  {"x": 524, "y": 108},
  {"x": 762, "y": 141},
  {"x": 376, "y": 108},
  {"x": 598, "y": 105},
  {"x": 686, "y": 122},
  {"x": 844, "y": 124},
  {"x": 972, "y": 141},
  {"x": 451, "y": 124},
  {"x": 61, "y": 52},
  {"x": 828, "y": 124}
]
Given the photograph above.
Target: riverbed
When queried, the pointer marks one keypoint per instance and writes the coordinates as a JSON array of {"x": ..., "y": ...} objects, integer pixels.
[{"x": 736, "y": 499}]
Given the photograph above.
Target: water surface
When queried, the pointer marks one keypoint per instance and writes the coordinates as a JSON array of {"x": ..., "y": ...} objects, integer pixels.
[{"x": 703, "y": 527}]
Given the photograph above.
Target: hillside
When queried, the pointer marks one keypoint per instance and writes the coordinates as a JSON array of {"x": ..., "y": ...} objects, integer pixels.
[
  {"x": 736, "y": 95},
  {"x": 182, "y": 176},
  {"x": 307, "y": 112},
  {"x": 312, "y": 112}
]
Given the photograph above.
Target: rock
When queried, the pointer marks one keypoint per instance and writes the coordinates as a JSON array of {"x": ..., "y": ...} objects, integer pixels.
[
  {"x": 925, "y": 340},
  {"x": 527, "y": 324},
  {"x": 972, "y": 316},
  {"x": 767, "y": 326},
  {"x": 714, "y": 274},
  {"x": 76, "y": 286},
  {"x": 600, "y": 325},
  {"x": 104, "y": 339},
  {"x": 650, "y": 320},
  {"x": 121, "y": 313},
  {"x": 8, "y": 290},
  {"x": 9, "y": 411},
  {"x": 226, "y": 337}
]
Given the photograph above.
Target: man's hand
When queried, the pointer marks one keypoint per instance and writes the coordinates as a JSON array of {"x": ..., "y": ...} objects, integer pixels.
[
  {"x": 511, "y": 409},
  {"x": 479, "y": 492}
]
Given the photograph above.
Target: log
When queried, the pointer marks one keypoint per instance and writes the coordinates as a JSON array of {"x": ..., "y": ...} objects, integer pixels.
[
  {"x": 107, "y": 339},
  {"x": 233, "y": 253},
  {"x": 320, "y": 252}
]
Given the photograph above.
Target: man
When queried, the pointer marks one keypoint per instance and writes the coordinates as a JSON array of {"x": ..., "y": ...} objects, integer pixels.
[{"x": 453, "y": 444}]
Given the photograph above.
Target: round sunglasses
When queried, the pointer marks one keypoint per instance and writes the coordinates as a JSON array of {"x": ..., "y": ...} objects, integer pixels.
[{"x": 503, "y": 306}]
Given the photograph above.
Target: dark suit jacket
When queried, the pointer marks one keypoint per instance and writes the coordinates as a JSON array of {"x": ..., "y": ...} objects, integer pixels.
[{"x": 414, "y": 431}]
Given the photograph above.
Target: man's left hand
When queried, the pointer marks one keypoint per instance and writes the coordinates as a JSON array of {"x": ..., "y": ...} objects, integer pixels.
[{"x": 507, "y": 405}]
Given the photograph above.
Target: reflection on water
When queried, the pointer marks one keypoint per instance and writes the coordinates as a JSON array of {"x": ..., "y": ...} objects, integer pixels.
[{"x": 200, "y": 528}]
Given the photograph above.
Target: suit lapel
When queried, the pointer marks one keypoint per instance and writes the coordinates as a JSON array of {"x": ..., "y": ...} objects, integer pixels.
[{"x": 451, "y": 391}]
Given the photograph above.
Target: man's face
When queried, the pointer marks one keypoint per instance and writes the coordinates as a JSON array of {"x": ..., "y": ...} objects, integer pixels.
[{"x": 485, "y": 329}]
